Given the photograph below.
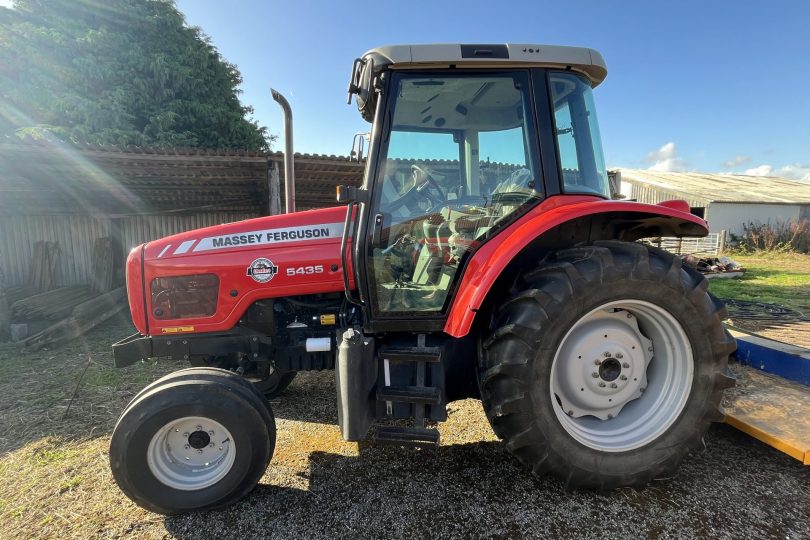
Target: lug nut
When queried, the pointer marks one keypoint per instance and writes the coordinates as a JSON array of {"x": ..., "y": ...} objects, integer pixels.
[
  {"x": 570, "y": 413},
  {"x": 619, "y": 355},
  {"x": 220, "y": 449},
  {"x": 642, "y": 389},
  {"x": 199, "y": 451},
  {"x": 610, "y": 417},
  {"x": 211, "y": 432},
  {"x": 650, "y": 349},
  {"x": 595, "y": 375},
  {"x": 186, "y": 446},
  {"x": 623, "y": 377},
  {"x": 185, "y": 434},
  {"x": 606, "y": 354},
  {"x": 199, "y": 428},
  {"x": 211, "y": 445},
  {"x": 597, "y": 362},
  {"x": 613, "y": 385},
  {"x": 601, "y": 384},
  {"x": 626, "y": 365}
]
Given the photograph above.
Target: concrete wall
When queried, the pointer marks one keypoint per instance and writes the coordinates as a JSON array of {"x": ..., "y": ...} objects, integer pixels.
[{"x": 732, "y": 216}]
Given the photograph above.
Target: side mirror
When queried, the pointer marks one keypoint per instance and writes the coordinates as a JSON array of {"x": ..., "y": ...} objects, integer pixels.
[{"x": 358, "y": 147}]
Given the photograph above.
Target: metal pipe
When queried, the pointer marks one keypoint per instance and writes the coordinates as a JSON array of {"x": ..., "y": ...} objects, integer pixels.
[{"x": 289, "y": 172}]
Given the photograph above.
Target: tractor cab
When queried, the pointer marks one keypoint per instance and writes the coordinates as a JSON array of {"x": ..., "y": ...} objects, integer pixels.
[{"x": 463, "y": 143}]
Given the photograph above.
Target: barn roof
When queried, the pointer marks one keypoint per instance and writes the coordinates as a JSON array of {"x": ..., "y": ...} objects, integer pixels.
[
  {"x": 48, "y": 178},
  {"x": 736, "y": 188}
]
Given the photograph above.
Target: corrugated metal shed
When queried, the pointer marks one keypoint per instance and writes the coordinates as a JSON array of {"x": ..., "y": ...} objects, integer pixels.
[{"x": 700, "y": 189}]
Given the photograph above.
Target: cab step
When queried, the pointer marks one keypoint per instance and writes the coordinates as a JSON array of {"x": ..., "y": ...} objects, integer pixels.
[
  {"x": 411, "y": 354},
  {"x": 426, "y": 395},
  {"x": 407, "y": 436}
]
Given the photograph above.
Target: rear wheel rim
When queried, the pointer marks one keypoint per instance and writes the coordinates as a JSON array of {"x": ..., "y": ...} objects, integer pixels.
[
  {"x": 622, "y": 375},
  {"x": 191, "y": 453}
]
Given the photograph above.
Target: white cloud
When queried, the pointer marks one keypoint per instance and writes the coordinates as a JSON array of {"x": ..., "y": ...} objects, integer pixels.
[
  {"x": 761, "y": 170},
  {"x": 665, "y": 159},
  {"x": 736, "y": 162},
  {"x": 793, "y": 171},
  {"x": 6, "y": 3}
]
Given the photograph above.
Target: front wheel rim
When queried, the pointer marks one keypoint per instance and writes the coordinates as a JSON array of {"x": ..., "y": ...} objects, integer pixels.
[
  {"x": 191, "y": 453},
  {"x": 622, "y": 375}
]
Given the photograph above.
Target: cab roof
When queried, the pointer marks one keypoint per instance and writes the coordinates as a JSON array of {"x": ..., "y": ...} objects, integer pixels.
[{"x": 583, "y": 60}]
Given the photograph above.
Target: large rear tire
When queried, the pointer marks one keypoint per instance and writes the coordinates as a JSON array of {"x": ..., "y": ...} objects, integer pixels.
[
  {"x": 199, "y": 438},
  {"x": 605, "y": 365}
]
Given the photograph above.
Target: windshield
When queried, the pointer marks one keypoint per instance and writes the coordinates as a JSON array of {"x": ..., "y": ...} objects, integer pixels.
[{"x": 579, "y": 145}]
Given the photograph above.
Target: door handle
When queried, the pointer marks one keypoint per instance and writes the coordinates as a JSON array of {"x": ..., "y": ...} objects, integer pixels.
[{"x": 376, "y": 232}]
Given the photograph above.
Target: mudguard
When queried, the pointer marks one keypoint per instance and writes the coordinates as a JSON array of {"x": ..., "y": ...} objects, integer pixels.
[{"x": 563, "y": 220}]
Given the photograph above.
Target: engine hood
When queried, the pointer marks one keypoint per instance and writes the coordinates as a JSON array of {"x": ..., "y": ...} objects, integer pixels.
[{"x": 204, "y": 280}]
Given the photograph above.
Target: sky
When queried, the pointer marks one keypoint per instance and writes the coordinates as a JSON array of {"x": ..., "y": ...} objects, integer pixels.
[{"x": 710, "y": 86}]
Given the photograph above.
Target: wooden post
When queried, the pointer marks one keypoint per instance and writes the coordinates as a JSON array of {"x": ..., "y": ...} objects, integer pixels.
[
  {"x": 721, "y": 242},
  {"x": 273, "y": 188},
  {"x": 5, "y": 316}
]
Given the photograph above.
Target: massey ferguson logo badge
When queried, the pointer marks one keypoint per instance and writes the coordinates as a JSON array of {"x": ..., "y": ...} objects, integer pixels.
[{"x": 262, "y": 270}]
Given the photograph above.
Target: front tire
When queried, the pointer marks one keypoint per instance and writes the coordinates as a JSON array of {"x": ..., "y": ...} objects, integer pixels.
[
  {"x": 605, "y": 365},
  {"x": 192, "y": 442}
]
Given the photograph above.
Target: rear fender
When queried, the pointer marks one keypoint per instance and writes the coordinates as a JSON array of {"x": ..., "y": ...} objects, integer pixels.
[{"x": 557, "y": 223}]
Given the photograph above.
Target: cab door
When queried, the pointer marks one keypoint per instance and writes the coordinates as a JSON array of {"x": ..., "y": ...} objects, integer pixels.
[{"x": 458, "y": 159}]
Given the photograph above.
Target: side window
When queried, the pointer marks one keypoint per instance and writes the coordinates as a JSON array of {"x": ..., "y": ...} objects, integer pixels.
[{"x": 579, "y": 145}]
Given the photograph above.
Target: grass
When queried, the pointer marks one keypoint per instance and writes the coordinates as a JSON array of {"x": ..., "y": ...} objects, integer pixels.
[
  {"x": 55, "y": 479},
  {"x": 774, "y": 278}
]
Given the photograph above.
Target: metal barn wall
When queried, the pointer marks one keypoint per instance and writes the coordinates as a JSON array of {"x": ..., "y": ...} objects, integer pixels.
[
  {"x": 732, "y": 216},
  {"x": 76, "y": 236}
]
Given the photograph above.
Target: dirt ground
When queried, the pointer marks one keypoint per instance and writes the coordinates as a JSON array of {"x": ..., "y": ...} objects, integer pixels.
[{"x": 56, "y": 481}]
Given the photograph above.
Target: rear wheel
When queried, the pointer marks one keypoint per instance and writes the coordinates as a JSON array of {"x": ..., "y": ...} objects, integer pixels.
[
  {"x": 193, "y": 440},
  {"x": 605, "y": 365}
]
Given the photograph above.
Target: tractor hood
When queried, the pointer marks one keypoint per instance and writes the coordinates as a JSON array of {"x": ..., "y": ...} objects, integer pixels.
[{"x": 204, "y": 280}]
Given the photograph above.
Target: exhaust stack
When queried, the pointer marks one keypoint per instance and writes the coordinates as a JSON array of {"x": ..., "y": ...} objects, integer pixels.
[{"x": 289, "y": 173}]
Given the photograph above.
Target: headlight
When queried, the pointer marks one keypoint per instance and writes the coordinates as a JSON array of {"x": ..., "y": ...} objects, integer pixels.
[{"x": 182, "y": 297}]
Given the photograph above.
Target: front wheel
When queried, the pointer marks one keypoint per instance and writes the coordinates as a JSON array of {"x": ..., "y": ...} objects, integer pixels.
[
  {"x": 197, "y": 439},
  {"x": 605, "y": 365}
]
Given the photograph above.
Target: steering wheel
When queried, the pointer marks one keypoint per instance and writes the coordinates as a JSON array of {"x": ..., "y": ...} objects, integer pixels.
[{"x": 423, "y": 185}]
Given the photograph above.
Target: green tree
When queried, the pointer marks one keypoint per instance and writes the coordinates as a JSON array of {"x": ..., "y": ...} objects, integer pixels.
[{"x": 118, "y": 72}]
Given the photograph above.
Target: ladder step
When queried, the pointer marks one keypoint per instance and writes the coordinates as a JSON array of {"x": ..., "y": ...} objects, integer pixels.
[
  {"x": 411, "y": 354},
  {"x": 404, "y": 436},
  {"x": 427, "y": 395}
]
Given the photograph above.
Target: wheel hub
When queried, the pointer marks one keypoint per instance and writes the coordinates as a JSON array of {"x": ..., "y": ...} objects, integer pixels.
[
  {"x": 199, "y": 439},
  {"x": 191, "y": 453},
  {"x": 605, "y": 365}
]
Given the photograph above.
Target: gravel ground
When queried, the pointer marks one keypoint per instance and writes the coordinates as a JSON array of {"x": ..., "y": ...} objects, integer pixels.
[{"x": 318, "y": 486}]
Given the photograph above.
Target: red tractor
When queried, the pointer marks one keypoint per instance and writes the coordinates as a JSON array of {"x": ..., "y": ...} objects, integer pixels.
[{"x": 482, "y": 257}]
